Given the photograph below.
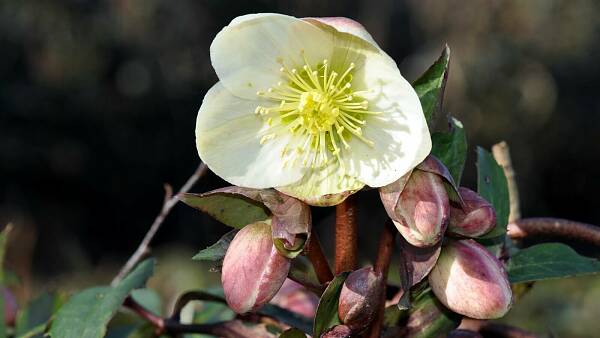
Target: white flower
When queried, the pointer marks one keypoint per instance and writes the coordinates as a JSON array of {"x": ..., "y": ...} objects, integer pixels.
[{"x": 312, "y": 107}]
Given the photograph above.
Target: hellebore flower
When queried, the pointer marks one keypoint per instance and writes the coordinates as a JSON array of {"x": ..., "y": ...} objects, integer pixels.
[
  {"x": 253, "y": 270},
  {"x": 360, "y": 298},
  {"x": 475, "y": 219},
  {"x": 470, "y": 281},
  {"x": 312, "y": 107}
]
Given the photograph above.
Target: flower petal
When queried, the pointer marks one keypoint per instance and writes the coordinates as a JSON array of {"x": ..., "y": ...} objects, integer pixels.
[
  {"x": 247, "y": 54},
  {"x": 344, "y": 25},
  {"x": 228, "y": 137},
  {"x": 323, "y": 186},
  {"x": 400, "y": 133}
]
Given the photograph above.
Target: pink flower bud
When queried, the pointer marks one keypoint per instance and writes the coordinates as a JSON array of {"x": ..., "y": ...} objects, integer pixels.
[
  {"x": 470, "y": 281},
  {"x": 360, "y": 298},
  {"x": 10, "y": 307},
  {"x": 475, "y": 219},
  {"x": 338, "y": 331},
  {"x": 253, "y": 270},
  {"x": 296, "y": 298},
  {"x": 422, "y": 210}
]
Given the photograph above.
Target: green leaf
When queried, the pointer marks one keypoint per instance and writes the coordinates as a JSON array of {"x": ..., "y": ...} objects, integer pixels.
[
  {"x": 547, "y": 261},
  {"x": 327, "y": 311},
  {"x": 37, "y": 313},
  {"x": 149, "y": 299},
  {"x": 34, "y": 332},
  {"x": 428, "y": 318},
  {"x": 216, "y": 252},
  {"x": 492, "y": 185},
  {"x": 430, "y": 86},
  {"x": 451, "y": 148},
  {"x": 233, "y": 210},
  {"x": 87, "y": 313},
  {"x": 292, "y": 333}
]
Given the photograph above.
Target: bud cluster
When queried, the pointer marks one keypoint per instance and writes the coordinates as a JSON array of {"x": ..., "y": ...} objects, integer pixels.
[{"x": 466, "y": 278}]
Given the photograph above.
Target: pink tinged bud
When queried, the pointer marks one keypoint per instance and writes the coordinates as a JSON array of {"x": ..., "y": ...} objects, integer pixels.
[
  {"x": 10, "y": 307},
  {"x": 338, "y": 331},
  {"x": 253, "y": 270},
  {"x": 296, "y": 298},
  {"x": 360, "y": 298},
  {"x": 422, "y": 210},
  {"x": 475, "y": 219},
  {"x": 470, "y": 281}
]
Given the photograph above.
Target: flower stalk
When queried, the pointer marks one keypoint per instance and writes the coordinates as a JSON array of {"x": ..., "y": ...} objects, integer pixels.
[
  {"x": 318, "y": 260},
  {"x": 346, "y": 235},
  {"x": 382, "y": 266}
]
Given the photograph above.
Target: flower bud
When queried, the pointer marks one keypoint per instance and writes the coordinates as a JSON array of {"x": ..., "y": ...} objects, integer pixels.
[
  {"x": 296, "y": 298},
  {"x": 470, "y": 281},
  {"x": 253, "y": 270},
  {"x": 338, "y": 331},
  {"x": 360, "y": 298},
  {"x": 10, "y": 307},
  {"x": 475, "y": 219},
  {"x": 422, "y": 210}
]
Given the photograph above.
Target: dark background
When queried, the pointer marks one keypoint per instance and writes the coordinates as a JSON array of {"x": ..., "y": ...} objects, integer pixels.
[{"x": 98, "y": 101}]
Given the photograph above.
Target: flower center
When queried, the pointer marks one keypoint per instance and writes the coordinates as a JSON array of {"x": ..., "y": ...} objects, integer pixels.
[{"x": 320, "y": 106}]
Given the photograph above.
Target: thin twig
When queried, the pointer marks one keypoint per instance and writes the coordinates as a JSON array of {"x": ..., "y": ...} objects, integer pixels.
[
  {"x": 382, "y": 265},
  {"x": 167, "y": 325},
  {"x": 170, "y": 201},
  {"x": 501, "y": 154},
  {"x": 346, "y": 235},
  {"x": 318, "y": 260},
  {"x": 189, "y": 296},
  {"x": 554, "y": 227}
]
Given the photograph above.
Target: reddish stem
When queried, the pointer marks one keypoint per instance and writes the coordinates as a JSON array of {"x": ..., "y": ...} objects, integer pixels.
[
  {"x": 346, "y": 237},
  {"x": 318, "y": 260},
  {"x": 382, "y": 265},
  {"x": 554, "y": 227}
]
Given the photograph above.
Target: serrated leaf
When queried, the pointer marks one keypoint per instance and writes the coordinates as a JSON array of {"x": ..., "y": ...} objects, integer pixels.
[
  {"x": 451, "y": 148},
  {"x": 327, "y": 311},
  {"x": 492, "y": 186},
  {"x": 233, "y": 210},
  {"x": 548, "y": 261},
  {"x": 217, "y": 251},
  {"x": 430, "y": 86},
  {"x": 87, "y": 313}
]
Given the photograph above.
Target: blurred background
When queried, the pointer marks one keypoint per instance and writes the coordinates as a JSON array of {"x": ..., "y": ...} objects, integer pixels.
[{"x": 98, "y": 101}]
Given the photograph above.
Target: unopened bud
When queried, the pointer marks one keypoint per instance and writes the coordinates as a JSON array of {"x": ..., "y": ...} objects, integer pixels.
[
  {"x": 253, "y": 270},
  {"x": 470, "y": 281},
  {"x": 10, "y": 307},
  {"x": 422, "y": 210},
  {"x": 338, "y": 331},
  {"x": 296, "y": 298},
  {"x": 360, "y": 298},
  {"x": 475, "y": 219}
]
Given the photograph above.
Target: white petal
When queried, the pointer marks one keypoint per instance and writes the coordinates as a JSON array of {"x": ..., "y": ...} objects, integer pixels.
[
  {"x": 345, "y": 25},
  {"x": 400, "y": 134},
  {"x": 247, "y": 54},
  {"x": 228, "y": 137},
  {"x": 323, "y": 187}
]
